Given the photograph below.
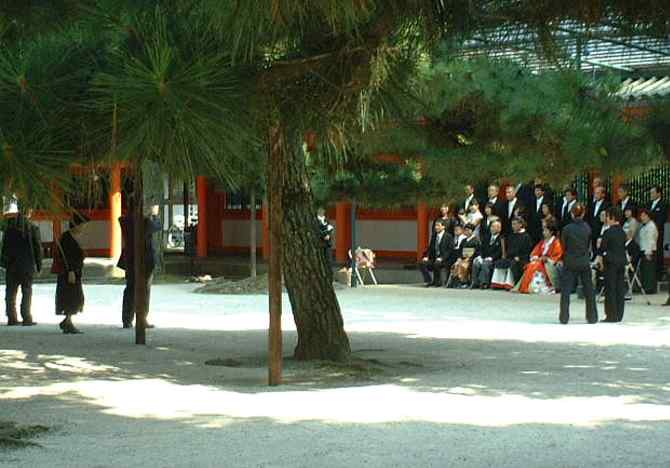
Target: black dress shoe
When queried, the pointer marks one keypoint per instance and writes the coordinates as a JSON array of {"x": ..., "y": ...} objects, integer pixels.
[
  {"x": 127, "y": 325},
  {"x": 13, "y": 323},
  {"x": 606, "y": 320},
  {"x": 70, "y": 329},
  {"x": 28, "y": 323}
]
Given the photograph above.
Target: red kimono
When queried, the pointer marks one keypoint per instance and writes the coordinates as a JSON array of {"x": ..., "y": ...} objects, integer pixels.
[{"x": 551, "y": 249}]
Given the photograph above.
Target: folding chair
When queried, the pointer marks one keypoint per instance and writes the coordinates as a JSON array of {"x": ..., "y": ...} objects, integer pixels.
[
  {"x": 630, "y": 282},
  {"x": 365, "y": 261}
]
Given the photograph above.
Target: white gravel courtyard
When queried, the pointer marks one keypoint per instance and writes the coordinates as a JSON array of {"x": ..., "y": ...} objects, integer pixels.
[{"x": 472, "y": 379}]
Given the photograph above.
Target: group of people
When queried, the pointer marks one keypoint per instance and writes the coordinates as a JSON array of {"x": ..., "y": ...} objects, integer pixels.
[
  {"x": 528, "y": 243},
  {"x": 22, "y": 257}
]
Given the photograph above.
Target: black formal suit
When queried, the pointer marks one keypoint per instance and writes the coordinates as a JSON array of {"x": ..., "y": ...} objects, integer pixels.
[
  {"x": 576, "y": 241},
  {"x": 563, "y": 214},
  {"x": 535, "y": 218},
  {"x": 127, "y": 263},
  {"x": 526, "y": 193},
  {"x": 517, "y": 209},
  {"x": 613, "y": 248},
  {"x": 498, "y": 207},
  {"x": 440, "y": 255},
  {"x": 659, "y": 213},
  {"x": 519, "y": 245},
  {"x": 21, "y": 256},
  {"x": 593, "y": 219},
  {"x": 623, "y": 205},
  {"x": 482, "y": 268},
  {"x": 465, "y": 206}
]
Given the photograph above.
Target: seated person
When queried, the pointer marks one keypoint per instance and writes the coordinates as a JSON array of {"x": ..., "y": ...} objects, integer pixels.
[
  {"x": 438, "y": 256},
  {"x": 508, "y": 270},
  {"x": 491, "y": 251},
  {"x": 469, "y": 250},
  {"x": 541, "y": 275}
]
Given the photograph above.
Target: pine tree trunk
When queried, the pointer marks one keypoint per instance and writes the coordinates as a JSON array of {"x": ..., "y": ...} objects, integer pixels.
[
  {"x": 252, "y": 232},
  {"x": 140, "y": 296},
  {"x": 307, "y": 273}
]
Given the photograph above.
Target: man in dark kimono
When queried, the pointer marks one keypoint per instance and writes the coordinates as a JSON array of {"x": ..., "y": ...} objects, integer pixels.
[{"x": 127, "y": 263}]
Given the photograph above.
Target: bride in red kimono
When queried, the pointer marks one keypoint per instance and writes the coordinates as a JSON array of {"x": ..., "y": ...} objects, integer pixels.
[{"x": 541, "y": 274}]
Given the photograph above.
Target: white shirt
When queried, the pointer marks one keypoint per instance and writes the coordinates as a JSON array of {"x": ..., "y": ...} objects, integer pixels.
[
  {"x": 438, "y": 239},
  {"x": 596, "y": 207},
  {"x": 648, "y": 238},
  {"x": 460, "y": 239},
  {"x": 469, "y": 200},
  {"x": 624, "y": 202},
  {"x": 538, "y": 203},
  {"x": 493, "y": 200},
  {"x": 654, "y": 203}
]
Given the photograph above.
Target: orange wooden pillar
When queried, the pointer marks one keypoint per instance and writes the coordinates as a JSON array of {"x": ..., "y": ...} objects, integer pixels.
[
  {"x": 422, "y": 220},
  {"x": 266, "y": 230},
  {"x": 343, "y": 231},
  {"x": 202, "y": 244},
  {"x": 115, "y": 213}
]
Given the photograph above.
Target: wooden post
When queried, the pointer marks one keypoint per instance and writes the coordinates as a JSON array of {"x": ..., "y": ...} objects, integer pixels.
[
  {"x": 115, "y": 213},
  {"x": 201, "y": 183},
  {"x": 343, "y": 231},
  {"x": 275, "y": 271},
  {"x": 140, "y": 296},
  {"x": 421, "y": 229}
]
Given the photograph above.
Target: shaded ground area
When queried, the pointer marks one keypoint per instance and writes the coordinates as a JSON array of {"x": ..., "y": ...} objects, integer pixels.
[{"x": 439, "y": 378}]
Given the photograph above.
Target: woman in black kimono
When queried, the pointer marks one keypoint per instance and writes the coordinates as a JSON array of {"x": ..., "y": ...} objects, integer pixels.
[{"x": 69, "y": 263}]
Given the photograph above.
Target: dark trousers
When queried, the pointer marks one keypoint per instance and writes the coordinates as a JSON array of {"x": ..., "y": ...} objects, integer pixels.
[
  {"x": 648, "y": 275},
  {"x": 615, "y": 291},
  {"x": 12, "y": 283},
  {"x": 434, "y": 267},
  {"x": 660, "y": 255},
  {"x": 128, "y": 311},
  {"x": 568, "y": 281}
]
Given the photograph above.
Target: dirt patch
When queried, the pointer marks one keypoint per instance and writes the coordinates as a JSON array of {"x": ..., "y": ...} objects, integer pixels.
[{"x": 13, "y": 436}]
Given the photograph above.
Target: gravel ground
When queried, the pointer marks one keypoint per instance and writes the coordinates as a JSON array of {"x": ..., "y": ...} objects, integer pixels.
[{"x": 443, "y": 378}]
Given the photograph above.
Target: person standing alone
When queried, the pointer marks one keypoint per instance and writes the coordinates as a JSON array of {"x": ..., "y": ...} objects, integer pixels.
[
  {"x": 576, "y": 240},
  {"x": 21, "y": 257}
]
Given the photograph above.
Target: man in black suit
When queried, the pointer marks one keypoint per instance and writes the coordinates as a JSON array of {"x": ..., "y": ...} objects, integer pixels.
[
  {"x": 469, "y": 198},
  {"x": 600, "y": 204},
  {"x": 535, "y": 216},
  {"x": 576, "y": 241},
  {"x": 21, "y": 257},
  {"x": 491, "y": 252},
  {"x": 513, "y": 208},
  {"x": 439, "y": 255},
  {"x": 614, "y": 260},
  {"x": 564, "y": 209},
  {"x": 625, "y": 201},
  {"x": 659, "y": 214},
  {"x": 497, "y": 202}
]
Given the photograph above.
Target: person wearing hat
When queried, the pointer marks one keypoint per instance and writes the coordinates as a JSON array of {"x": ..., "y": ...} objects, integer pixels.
[{"x": 68, "y": 264}]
